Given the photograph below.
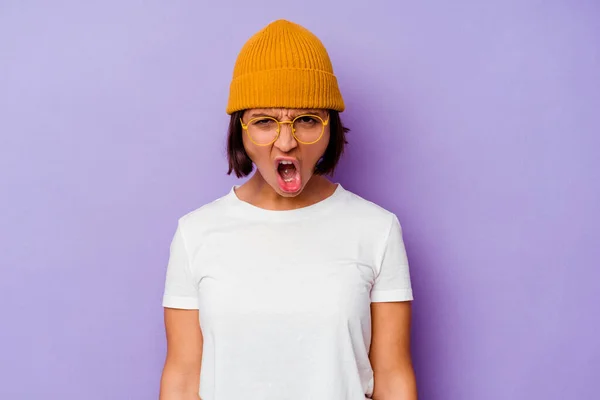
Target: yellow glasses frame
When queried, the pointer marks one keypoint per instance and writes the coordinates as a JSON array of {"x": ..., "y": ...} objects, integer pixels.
[{"x": 279, "y": 123}]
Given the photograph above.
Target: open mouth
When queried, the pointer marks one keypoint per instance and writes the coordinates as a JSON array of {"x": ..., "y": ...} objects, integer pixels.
[{"x": 288, "y": 176}]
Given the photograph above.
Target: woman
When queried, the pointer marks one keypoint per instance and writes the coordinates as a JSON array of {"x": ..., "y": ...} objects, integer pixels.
[{"x": 289, "y": 286}]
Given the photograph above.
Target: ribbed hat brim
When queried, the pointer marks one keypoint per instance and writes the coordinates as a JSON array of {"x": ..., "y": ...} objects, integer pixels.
[{"x": 285, "y": 88}]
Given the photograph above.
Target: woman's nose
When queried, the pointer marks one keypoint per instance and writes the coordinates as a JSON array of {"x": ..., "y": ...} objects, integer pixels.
[{"x": 286, "y": 140}]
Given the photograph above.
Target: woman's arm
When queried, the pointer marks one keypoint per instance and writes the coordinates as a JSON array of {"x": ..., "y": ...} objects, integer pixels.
[
  {"x": 390, "y": 352},
  {"x": 181, "y": 373}
]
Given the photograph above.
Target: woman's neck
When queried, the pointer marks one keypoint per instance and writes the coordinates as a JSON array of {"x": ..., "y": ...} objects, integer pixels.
[{"x": 259, "y": 193}]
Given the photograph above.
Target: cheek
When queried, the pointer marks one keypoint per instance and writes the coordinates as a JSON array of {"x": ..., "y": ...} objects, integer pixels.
[
  {"x": 314, "y": 152},
  {"x": 257, "y": 154}
]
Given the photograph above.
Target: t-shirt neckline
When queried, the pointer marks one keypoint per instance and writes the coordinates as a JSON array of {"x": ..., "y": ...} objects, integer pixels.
[{"x": 251, "y": 210}]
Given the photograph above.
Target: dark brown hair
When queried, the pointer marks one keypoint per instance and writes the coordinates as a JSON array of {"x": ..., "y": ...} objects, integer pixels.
[{"x": 241, "y": 165}]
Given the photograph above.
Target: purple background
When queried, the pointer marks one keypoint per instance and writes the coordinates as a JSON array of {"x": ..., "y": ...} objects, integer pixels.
[{"x": 476, "y": 122}]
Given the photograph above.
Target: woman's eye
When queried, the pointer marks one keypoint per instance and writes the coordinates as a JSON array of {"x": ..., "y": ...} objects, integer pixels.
[
  {"x": 264, "y": 121},
  {"x": 307, "y": 120}
]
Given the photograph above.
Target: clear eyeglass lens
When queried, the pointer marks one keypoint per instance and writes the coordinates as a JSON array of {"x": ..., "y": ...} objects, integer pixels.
[
  {"x": 263, "y": 130},
  {"x": 308, "y": 128}
]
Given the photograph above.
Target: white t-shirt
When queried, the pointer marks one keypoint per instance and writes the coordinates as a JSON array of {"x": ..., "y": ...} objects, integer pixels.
[{"x": 284, "y": 296}]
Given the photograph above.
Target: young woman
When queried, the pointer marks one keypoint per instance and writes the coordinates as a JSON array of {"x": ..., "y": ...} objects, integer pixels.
[{"x": 289, "y": 286}]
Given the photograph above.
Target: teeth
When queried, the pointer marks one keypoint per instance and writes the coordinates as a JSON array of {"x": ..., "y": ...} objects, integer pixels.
[{"x": 285, "y": 162}]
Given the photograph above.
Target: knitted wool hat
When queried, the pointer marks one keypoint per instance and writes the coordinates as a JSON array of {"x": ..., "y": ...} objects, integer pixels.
[{"x": 284, "y": 65}]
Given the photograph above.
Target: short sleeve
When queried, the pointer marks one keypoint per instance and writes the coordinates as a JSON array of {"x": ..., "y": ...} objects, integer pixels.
[
  {"x": 181, "y": 289},
  {"x": 392, "y": 282}
]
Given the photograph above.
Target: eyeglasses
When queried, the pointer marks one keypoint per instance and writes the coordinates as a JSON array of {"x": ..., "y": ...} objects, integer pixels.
[{"x": 306, "y": 129}]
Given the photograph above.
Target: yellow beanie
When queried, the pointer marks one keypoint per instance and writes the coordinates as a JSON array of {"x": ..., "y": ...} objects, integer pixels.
[{"x": 284, "y": 65}]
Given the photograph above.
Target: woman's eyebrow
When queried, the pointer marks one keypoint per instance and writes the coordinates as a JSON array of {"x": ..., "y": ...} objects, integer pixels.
[{"x": 260, "y": 114}]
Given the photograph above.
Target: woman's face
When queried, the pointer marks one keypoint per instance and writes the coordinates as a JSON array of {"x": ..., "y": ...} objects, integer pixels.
[{"x": 286, "y": 165}]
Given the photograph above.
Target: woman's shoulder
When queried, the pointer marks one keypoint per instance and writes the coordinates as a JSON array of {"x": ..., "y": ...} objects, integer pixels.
[
  {"x": 362, "y": 204},
  {"x": 365, "y": 209},
  {"x": 207, "y": 214}
]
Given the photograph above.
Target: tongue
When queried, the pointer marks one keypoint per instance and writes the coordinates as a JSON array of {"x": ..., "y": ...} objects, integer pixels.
[{"x": 287, "y": 171}]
